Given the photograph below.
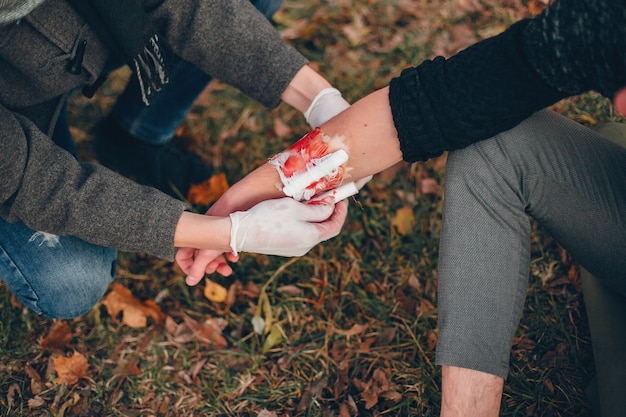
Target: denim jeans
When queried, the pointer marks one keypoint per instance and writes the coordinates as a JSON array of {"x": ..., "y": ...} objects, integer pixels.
[
  {"x": 157, "y": 123},
  {"x": 568, "y": 178},
  {"x": 55, "y": 276}
]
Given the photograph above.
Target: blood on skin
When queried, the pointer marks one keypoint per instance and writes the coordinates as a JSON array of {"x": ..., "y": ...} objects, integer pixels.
[{"x": 310, "y": 151}]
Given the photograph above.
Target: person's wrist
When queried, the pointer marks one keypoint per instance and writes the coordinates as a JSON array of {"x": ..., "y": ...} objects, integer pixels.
[
  {"x": 303, "y": 88},
  {"x": 203, "y": 232}
]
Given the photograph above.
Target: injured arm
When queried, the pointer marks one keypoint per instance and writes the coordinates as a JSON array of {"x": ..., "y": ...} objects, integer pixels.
[{"x": 362, "y": 141}]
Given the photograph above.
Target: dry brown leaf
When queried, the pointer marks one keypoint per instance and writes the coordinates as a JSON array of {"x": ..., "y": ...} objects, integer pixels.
[
  {"x": 36, "y": 402},
  {"x": 11, "y": 392},
  {"x": 372, "y": 389},
  {"x": 70, "y": 369},
  {"x": 280, "y": 128},
  {"x": 208, "y": 332},
  {"x": 214, "y": 291},
  {"x": 355, "y": 329},
  {"x": 430, "y": 186},
  {"x": 135, "y": 313},
  {"x": 404, "y": 220},
  {"x": 36, "y": 385},
  {"x": 535, "y": 7},
  {"x": 208, "y": 191},
  {"x": 59, "y": 336},
  {"x": 266, "y": 413}
]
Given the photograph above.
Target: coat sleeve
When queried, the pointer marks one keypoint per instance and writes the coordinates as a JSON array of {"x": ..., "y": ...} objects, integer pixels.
[
  {"x": 48, "y": 190},
  {"x": 232, "y": 41},
  {"x": 446, "y": 104}
]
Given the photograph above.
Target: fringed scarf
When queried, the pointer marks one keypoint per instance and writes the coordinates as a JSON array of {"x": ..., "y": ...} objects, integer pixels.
[{"x": 125, "y": 27}]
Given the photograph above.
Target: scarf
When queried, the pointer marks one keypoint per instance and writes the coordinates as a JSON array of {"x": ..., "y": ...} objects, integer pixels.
[
  {"x": 13, "y": 10},
  {"x": 126, "y": 29}
]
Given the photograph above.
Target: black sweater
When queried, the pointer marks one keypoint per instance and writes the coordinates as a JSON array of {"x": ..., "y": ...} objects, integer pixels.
[{"x": 572, "y": 47}]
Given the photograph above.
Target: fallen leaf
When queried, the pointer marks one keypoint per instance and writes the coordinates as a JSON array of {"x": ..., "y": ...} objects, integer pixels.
[
  {"x": 280, "y": 128},
  {"x": 355, "y": 329},
  {"x": 535, "y": 7},
  {"x": 214, "y": 291},
  {"x": 371, "y": 390},
  {"x": 36, "y": 402},
  {"x": 135, "y": 313},
  {"x": 265, "y": 413},
  {"x": 35, "y": 380},
  {"x": 208, "y": 332},
  {"x": 404, "y": 220},
  {"x": 274, "y": 337},
  {"x": 59, "y": 336},
  {"x": 13, "y": 389},
  {"x": 208, "y": 191},
  {"x": 70, "y": 369},
  {"x": 430, "y": 186}
]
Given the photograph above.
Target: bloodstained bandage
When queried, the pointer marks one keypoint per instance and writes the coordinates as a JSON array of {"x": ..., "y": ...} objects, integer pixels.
[
  {"x": 340, "y": 193},
  {"x": 309, "y": 167}
]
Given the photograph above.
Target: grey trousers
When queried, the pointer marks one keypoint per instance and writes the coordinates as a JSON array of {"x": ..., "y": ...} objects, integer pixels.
[{"x": 568, "y": 178}]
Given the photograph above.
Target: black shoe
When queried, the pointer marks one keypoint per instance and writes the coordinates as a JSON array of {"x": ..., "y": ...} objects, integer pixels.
[{"x": 165, "y": 167}]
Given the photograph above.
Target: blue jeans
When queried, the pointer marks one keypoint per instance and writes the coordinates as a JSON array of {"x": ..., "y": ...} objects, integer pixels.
[
  {"x": 157, "y": 123},
  {"x": 55, "y": 276},
  {"x": 569, "y": 179},
  {"x": 61, "y": 276}
]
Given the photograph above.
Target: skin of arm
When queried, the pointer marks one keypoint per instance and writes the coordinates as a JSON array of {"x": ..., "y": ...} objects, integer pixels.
[
  {"x": 202, "y": 232},
  {"x": 303, "y": 88}
]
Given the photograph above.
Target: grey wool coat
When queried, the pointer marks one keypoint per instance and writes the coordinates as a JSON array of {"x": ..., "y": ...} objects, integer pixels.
[{"x": 45, "y": 187}]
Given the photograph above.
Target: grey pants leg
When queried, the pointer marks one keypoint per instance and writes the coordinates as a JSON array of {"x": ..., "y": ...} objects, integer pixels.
[
  {"x": 568, "y": 178},
  {"x": 606, "y": 311}
]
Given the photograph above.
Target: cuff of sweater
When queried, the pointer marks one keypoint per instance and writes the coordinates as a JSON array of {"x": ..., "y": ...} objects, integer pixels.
[{"x": 410, "y": 119}]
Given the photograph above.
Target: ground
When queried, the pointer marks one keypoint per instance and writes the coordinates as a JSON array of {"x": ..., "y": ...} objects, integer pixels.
[{"x": 350, "y": 328}]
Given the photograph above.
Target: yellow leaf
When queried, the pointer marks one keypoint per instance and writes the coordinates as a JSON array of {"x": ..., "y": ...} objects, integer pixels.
[
  {"x": 274, "y": 337},
  {"x": 404, "y": 220},
  {"x": 70, "y": 369},
  {"x": 215, "y": 292}
]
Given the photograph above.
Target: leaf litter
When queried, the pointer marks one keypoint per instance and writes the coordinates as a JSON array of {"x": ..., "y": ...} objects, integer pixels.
[{"x": 350, "y": 328}]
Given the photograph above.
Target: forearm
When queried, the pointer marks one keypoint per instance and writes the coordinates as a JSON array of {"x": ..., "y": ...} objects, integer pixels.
[
  {"x": 365, "y": 131},
  {"x": 369, "y": 135}
]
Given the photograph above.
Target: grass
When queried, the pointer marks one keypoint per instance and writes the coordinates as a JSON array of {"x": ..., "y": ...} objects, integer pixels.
[{"x": 355, "y": 320}]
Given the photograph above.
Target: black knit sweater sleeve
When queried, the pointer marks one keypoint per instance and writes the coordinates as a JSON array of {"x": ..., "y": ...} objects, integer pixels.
[{"x": 446, "y": 104}]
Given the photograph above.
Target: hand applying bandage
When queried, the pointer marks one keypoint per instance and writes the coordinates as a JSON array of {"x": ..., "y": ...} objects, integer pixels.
[
  {"x": 285, "y": 227},
  {"x": 327, "y": 104}
]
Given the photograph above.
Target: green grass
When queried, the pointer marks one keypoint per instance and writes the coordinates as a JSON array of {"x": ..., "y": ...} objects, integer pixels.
[{"x": 357, "y": 315}]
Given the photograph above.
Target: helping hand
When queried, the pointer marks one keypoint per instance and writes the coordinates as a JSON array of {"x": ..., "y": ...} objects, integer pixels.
[
  {"x": 290, "y": 234},
  {"x": 285, "y": 227},
  {"x": 327, "y": 104}
]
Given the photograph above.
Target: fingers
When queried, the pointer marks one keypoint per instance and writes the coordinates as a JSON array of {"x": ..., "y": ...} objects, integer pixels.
[
  {"x": 332, "y": 226},
  {"x": 184, "y": 258},
  {"x": 318, "y": 211},
  {"x": 195, "y": 272}
]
